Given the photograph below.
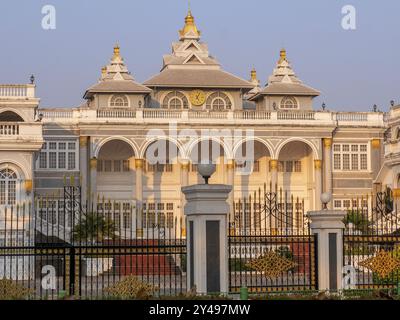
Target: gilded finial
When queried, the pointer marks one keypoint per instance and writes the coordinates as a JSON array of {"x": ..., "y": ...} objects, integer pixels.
[
  {"x": 190, "y": 26},
  {"x": 116, "y": 50},
  {"x": 282, "y": 55},
  {"x": 103, "y": 71},
  {"x": 253, "y": 74}
]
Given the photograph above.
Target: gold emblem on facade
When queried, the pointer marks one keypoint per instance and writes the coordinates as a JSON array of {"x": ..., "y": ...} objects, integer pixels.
[
  {"x": 197, "y": 97},
  {"x": 271, "y": 264},
  {"x": 382, "y": 264}
]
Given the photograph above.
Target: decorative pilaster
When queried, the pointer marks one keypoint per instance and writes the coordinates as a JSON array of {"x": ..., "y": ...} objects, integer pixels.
[
  {"x": 328, "y": 167},
  {"x": 318, "y": 182},
  {"x": 83, "y": 167},
  {"x": 139, "y": 165}
]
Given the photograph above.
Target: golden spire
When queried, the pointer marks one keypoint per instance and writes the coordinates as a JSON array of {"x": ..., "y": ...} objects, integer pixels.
[
  {"x": 116, "y": 50},
  {"x": 253, "y": 74},
  {"x": 104, "y": 71},
  {"x": 282, "y": 56},
  {"x": 189, "y": 25}
]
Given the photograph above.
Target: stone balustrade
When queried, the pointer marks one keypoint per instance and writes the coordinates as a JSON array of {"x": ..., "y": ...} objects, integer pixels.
[
  {"x": 31, "y": 131},
  {"x": 230, "y": 117},
  {"x": 19, "y": 91}
]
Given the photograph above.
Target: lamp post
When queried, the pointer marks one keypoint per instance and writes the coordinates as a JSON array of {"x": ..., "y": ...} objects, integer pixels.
[{"x": 206, "y": 170}]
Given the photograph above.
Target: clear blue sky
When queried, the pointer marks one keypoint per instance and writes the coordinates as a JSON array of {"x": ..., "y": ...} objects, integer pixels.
[{"x": 352, "y": 69}]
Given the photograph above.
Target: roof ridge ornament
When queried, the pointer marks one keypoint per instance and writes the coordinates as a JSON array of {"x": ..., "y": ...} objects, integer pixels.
[
  {"x": 190, "y": 30},
  {"x": 283, "y": 56}
]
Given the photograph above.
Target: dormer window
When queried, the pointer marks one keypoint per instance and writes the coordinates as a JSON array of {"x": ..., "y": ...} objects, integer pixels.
[
  {"x": 289, "y": 103},
  {"x": 175, "y": 100},
  {"x": 218, "y": 101},
  {"x": 119, "y": 101}
]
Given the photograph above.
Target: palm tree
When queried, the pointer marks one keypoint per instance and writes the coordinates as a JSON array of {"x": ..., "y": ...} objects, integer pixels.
[{"x": 94, "y": 227}]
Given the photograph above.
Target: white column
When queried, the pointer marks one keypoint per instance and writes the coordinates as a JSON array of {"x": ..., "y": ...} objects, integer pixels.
[
  {"x": 139, "y": 164},
  {"x": 184, "y": 182},
  {"x": 207, "y": 245},
  {"x": 318, "y": 183},
  {"x": 230, "y": 181},
  {"x": 273, "y": 167},
  {"x": 93, "y": 183},
  {"x": 83, "y": 167},
  {"x": 328, "y": 226},
  {"x": 328, "y": 167}
]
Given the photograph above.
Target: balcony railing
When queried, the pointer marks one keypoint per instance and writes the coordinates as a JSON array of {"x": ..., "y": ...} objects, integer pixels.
[
  {"x": 17, "y": 91},
  {"x": 20, "y": 130},
  {"x": 9, "y": 129},
  {"x": 227, "y": 117}
]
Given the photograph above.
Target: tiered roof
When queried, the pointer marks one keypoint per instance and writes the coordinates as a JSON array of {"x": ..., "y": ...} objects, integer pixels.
[{"x": 115, "y": 77}]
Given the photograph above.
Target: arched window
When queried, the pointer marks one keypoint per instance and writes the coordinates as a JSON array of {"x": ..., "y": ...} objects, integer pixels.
[
  {"x": 9, "y": 116},
  {"x": 398, "y": 133},
  {"x": 175, "y": 100},
  {"x": 289, "y": 103},
  {"x": 218, "y": 101},
  {"x": 8, "y": 187},
  {"x": 119, "y": 101}
]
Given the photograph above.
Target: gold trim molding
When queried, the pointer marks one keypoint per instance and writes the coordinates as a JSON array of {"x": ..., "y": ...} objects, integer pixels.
[
  {"x": 396, "y": 193},
  {"x": 139, "y": 163},
  {"x": 83, "y": 141},
  {"x": 93, "y": 163},
  {"x": 327, "y": 142},
  {"x": 317, "y": 164},
  {"x": 376, "y": 143},
  {"x": 273, "y": 164},
  {"x": 231, "y": 164}
]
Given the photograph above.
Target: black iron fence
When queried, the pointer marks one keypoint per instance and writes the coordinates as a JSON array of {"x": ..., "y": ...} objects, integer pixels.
[
  {"x": 372, "y": 243},
  {"x": 271, "y": 247},
  {"x": 103, "y": 249}
]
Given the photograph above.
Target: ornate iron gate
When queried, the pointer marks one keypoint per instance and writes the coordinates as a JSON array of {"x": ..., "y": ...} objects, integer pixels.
[
  {"x": 271, "y": 247},
  {"x": 57, "y": 246},
  {"x": 372, "y": 242}
]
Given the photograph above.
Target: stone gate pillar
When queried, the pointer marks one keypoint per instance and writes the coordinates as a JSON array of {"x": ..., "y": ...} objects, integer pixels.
[
  {"x": 328, "y": 226},
  {"x": 207, "y": 210}
]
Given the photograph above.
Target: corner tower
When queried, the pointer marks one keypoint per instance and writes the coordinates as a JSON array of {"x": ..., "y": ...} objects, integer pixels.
[{"x": 284, "y": 90}]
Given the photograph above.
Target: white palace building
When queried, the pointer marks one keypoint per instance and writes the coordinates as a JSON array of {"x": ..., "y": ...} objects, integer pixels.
[{"x": 105, "y": 142}]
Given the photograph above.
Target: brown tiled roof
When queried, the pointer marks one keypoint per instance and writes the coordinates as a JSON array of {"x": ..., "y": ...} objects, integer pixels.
[
  {"x": 197, "y": 78},
  {"x": 287, "y": 88},
  {"x": 117, "y": 86}
]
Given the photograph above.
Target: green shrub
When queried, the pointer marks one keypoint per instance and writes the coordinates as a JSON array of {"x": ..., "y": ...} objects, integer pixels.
[
  {"x": 9, "y": 290},
  {"x": 131, "y": 288}
]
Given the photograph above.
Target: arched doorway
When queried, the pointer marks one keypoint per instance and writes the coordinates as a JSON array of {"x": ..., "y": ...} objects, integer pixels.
[
  {"x": 115, "y": 170},
  {"x": 296, "y": 171}
]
